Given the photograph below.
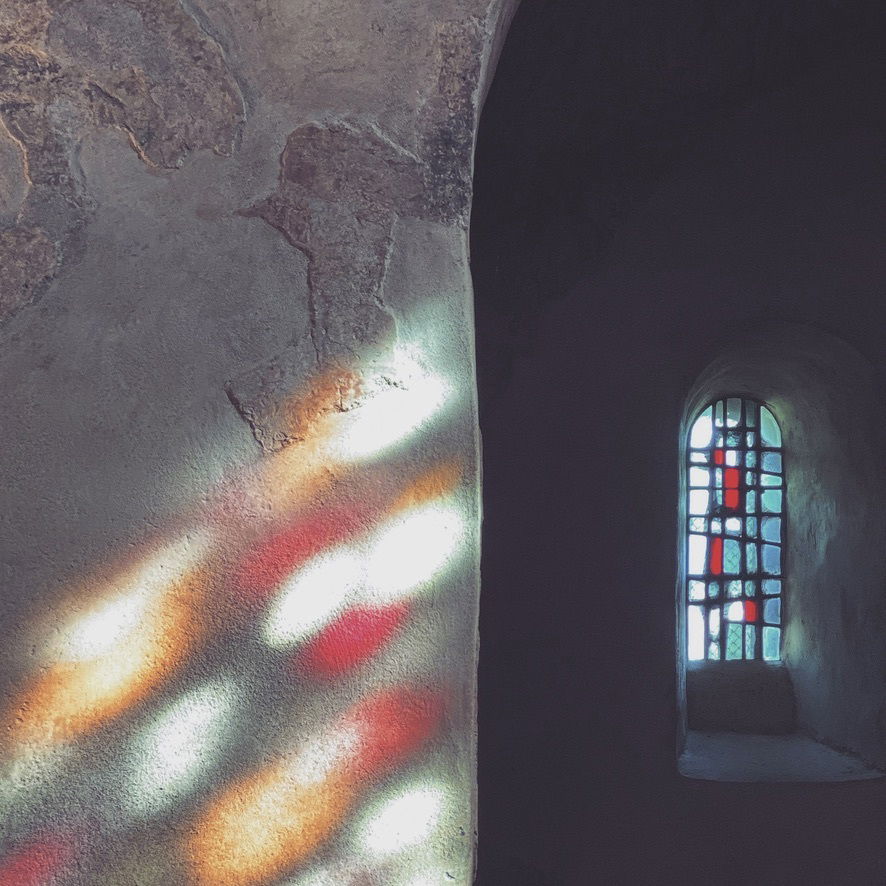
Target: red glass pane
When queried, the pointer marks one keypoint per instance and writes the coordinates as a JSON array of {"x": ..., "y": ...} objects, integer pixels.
[
  {"x": 731, "y": 499},
  {"x": 731, "y": 477},
  {"x": 750, "y": 610},
  {"x": 718, "y": 456},
  {"x": 716, "y": 555}
]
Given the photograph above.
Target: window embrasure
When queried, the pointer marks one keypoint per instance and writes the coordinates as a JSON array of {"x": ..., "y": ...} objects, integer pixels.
[{"x": 735, "y": 533}]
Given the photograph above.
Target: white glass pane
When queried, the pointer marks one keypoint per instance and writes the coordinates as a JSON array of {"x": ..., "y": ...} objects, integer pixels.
[
  {"x": 714, "y": 651},
  {"x": 699, "y": 477},
  {"x": 695, "y": 622},
  {"x": 698, "y": 524},
  {"x": 771, "y": 642},
  {"x": 732, "y": 458},
  {"x": 735, "y": 611},
  {"x": 718, "y": 415},
  {"x": 699, "y": 457},
  {"x": 698, "y": 501},
  {"x": 733, "y": 412},
  {"x": 700, "y": 435},
  {"x": 696, "y": 590},
  {"x": 698, "y": 548},
  {"x": 733, "y": 525},
  {"x": 769, "y": 429},
  {"x": 714, "y": 622}
]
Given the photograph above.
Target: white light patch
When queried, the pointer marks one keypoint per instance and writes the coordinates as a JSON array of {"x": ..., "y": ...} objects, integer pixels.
[
  {"x": 111, "y": 622},
  {"x": 180, "y": 746},
  {"x": 702, "y": 430},
  {"x": 402, "y": 822},
  {"x": 412, "y": 550},
  {"x": 320, "y": 756},
  {"x": 396, "y": 405},
  {"x": 312, "y": 597}
]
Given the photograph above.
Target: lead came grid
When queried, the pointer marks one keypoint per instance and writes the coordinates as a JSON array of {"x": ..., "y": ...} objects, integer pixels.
[{"x": 735, "y": 533}]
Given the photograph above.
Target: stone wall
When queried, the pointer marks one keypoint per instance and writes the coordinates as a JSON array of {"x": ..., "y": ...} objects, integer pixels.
[{"x": 240, "y": 521}]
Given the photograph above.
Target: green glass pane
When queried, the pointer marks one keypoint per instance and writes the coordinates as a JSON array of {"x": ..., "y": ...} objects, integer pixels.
[
  {"x": 771, "y": 529},
  {"x": 751, "y": 527},
  {"x": 771, "y": 501},
  {"x": 771, "y": 586},
  {"x": 733, "y": 589},
  {"x": 751, "y": 502},
  {"x": 696, "y": 590},
  {"x": 733, "y": 412},
  {"x": 698, "y": 524},
  {"x": 772, "y": 462},
  {"x": 771, "y": 644},
  {"x": 750, "y": 589},
  {"x": 770, "y": 480},
  {"x": 751, "y": 554},
  {"x": 750, "y": 478},
  {"x": 718, "y": 477},
  {"x": 714, "y": 590},
  {"x": 750, "y": 459},
  {"x": 772, "y": 611},
  {"x": 718, "y": 420},
  {"x": 733, "y": 642},
  {"x": 719, "y": 438},
  {"x": 731, "y": 556},
  {"x": 751, "y": 437},
  {"x": 769, "y": 429},
  {"x": 733, "y": 438},
  {"x": 702, "y": 429},
  {"x": 750, "y": 414},
  {"x": 772, "y": 559},
  {"x": 716, "y": 526},
  {"x": 750, "y": 638}
]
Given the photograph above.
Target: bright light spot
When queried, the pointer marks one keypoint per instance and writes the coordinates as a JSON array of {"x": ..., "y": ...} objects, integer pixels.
[
  {"x": 403, "y": 822},
  {"x": 735, "y": 611},
  {"x": 397, "y": 403},
  {"x": 312, "y": 597},
  {"x": 695, "y": 649},
  {"x": 180, "y": 746},
  {"x": 111, "y": 621},
  {"x": 702, "y": 430},
  {"x": 321, "y": 756},
  {"x": 698, "y": 548},
  {"x": 412, "y": 550}
]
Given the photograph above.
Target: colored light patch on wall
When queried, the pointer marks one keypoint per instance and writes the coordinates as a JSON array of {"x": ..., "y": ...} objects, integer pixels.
[{"x": 36, "y": 863}]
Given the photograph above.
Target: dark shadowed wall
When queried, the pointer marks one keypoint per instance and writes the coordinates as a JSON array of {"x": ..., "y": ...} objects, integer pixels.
[{"x": 652, "y": 186}]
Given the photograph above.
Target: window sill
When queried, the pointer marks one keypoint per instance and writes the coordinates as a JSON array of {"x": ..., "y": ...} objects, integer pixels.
[{"x": 735, "y": 757}]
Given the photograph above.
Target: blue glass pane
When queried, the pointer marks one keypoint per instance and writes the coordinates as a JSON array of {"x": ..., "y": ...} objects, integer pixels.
[
  {"x": 771, "y": 529},
  {"x": 751, "y": 527},
  {"x": 772, "y": 559},
  {"x": 771, "y": 586},
  {"x": 770, "y": 480},
  {"x": 772, "y": 462},
  {"x": 771, "y": 501},
  {"x": 750, "y": 414},
  {"x": 772, "y": 611},
  {"x": 771, "y": 643}
]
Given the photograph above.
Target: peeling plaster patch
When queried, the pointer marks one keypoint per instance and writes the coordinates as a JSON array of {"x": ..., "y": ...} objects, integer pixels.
[
  {"x": 264, "y": 397},
  {"x": 142, "y": 66},
  {"x": 28, "y": 260},
  {"x": 13, "y": 177},
  {"x": 339, "y": 194}
]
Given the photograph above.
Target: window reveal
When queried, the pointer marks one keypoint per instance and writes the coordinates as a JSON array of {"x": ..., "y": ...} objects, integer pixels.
[{"x": 735, "y": 534}]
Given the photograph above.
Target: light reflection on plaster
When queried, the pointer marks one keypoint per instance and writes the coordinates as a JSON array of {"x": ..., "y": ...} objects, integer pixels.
[
  {"x": 180, "y": 747},
  {"x": 401, "y": 822}
]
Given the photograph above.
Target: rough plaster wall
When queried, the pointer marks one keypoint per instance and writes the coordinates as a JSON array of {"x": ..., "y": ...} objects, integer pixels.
[
  {"x": 824, "y": 396},
  {"x": 236, "y": 336}
]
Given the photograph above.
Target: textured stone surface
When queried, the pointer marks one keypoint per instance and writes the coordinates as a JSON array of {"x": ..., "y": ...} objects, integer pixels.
[{"x": 236, "y": 344}]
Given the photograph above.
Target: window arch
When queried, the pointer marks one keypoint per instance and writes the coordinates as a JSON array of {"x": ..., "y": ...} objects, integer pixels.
[{"x": 735, "y": 533}]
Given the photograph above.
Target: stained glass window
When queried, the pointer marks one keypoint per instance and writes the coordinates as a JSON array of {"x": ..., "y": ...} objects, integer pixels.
[{"x": 735, "y": 532}]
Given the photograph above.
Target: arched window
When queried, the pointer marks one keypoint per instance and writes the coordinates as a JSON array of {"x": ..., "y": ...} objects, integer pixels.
[{"x": 735, "y": 533}]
